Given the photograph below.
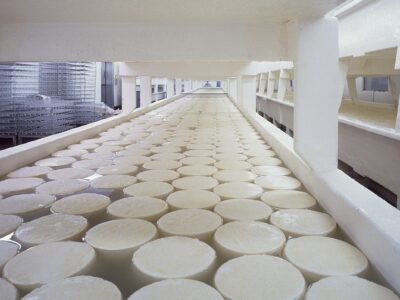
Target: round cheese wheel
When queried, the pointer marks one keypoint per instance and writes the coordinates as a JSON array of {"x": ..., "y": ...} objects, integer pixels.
[
  {"x": 259, "y": 277},
  {"x": 173, "y": 289},
  {"x": 149, "y": 188},
  {"x": 51, "y": 228},
  {"x": 193, "y": 199},
  {"x": 165, "y": 149},
  {"x": 278, "y": 182},
  {"x": 200, "y": 146},
  {"x": 270, "y": 170},
  {"x": 55, "y": 161},
  {"x": 83, "y": 146},
  {"x": 298, "y": 222},
  {"x": 78, "y": 287},
  {"x": 197, "y": 170},
  {"x": 167, "y": 156},
  {"x": 318, "y": 257},
  {"x": 8, "y": 291},
  {"x": 132, "y": 160},
  {"x": 14, "y": 185},
  {"x": 69, "y": 152},
  {"x": 119, "y": 169},
  {"x": 8, "y": 250},
  {"x": 238, "y": 190},
  {"x": 228, "y": 149},
  {"x": 91, "y": 164},
  {"x": 48, "y": 263},
  {"x": 195, "y": 182},
  {"x": 199, "y": 160},
  {"x": 26, "y": 205},
  {"x": 348, "y": 287},
  {"x": 34, "y": 171},
  {"x": 243, "y": 210},
  {"x": 113, "y": 181},
  {"x": 98, "y": 156},
  {"x": 264, "y": 161},
  {"x": 158, "y": 175},
  {"x": 140, "y": 207},
  {"x": 70, "y": 173},
  {"x": 195, "y": 223},
  {"x": 234, "y": 176},
  {"x": 255, "y": 152},
  {"x": 8, "y": 224},
  {"x": 162, "y": 165},
  {"x": 62, "y": 187},
  {"x": 288, "y": 199},
  {"x": 134, "y": 152},
  {"x": 233, "y": 165},
  {"x": 104, "y": 149},
  {"x": 173, "y": 257},
  {"x": 230, "y": 156},
  {"x": 199, "y": 153}
]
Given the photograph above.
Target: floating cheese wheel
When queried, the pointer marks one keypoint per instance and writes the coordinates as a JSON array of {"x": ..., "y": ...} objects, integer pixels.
[
  {"x": 51, "y": 228},
  {"x": 197, "y": 170},
  {"x": 233, "y": 165},
  {"x": 70, "y": 173},
  {"x": 69, "y": 152},
  {"x": 62, "y": 187},
  {"x": 162, "y": 165},
  {"x": 298, "y": 222},
  {"x": 88, "y": 205},
  {"x": 113, "y": 181},
  {"x": 26, "y": 205},
  {"x": 193, "y": 199},
  {"x": 117, "y": 143},
  {"x": 264, "y": 161},
  {"x": 134, "y": 152},
  {"x": 195, "y": 223},
  {"x": 234, "y": 175},
  {"x": 229, "y": 149},
  {"x": 259, "y": 153},
  {"x": 195, "y": 182},
  {"x": 200, "y": 160},
  {"x": 247, "y": 237},
  {"x": 8, "y": 291},
  {"x": 7, "y": 251},
  {"x": 200, "y": 146},
  {"x": 318, "y": 257},
  {"x": 173, "y": 257},
  {"x": 158, "y": 175},
  {"x": 147, "y": 208},
  {"x": 238, "y": 190},
  {"x": 288, "y": 199},
  {"x": 278, "y": 182},
  {"x": 78, "y": 287},
  {"x": 149, "y": 188},
  {"x": 55, "y": 161},
  {"x": 165, "y": 149},
  {"x": 14, "y": 185},
  {"x": 8, "y": 224},
  {"x": 243, "y": 210},
  {"x": 259, "y": 277},
  {"x": 270, "y": 170},
  {"x": 83, "y": 146},
  {"x": 230, "y": 156},
  {"x": 34, "y": 171},
  {"x": 173, "y": 289},
  {"x": 98, "y": 156},
  {"x": 91, "y": 164},
  {"x": 118, "y": 169},
  {"x": 132, "y": 160},
  {"x": 348, "y": 287},
  {"x": 199, "y": 153},
  {"x": 48, "y": 263},
  {"x": 103, "y": 149}
]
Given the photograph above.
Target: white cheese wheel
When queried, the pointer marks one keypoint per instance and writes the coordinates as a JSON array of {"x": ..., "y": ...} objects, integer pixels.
[
  {"x": 199, "y": 160},
  {"x": 318, "y": 257},
  {"x": 78, "y": 287},
  {"x": 14, "y": 185},
  {"x": 158, "y": 175},
  {"x": 278, "y": 182},
  {"x": 270, "y": 170},
  {"x": 141, "y": 207},
  {"x": 105, "y": 149},
  {"x": 255, "y": 152},
  {"x": 288, "y": 199},
  {"x": 243, "y": 210},
  {"x": 230, "y": 156},
  {"x": 48, "y": 263},
  {"x": 70, "y": 173},
  {"x": 259, "y": 277},
  {"x": 113, "y": 181},
  {"x": 195, "y": 223},
  {"x": 238, "y": 190},
  {"x": 174, "y": 289},
  {"x": 34, "y": 171},
  {"x": 197, "y": 170},
  {"x": 8, "y": 250},
  {"x": 197, "y": 153},
  {"x": 264, "y": 161},
  {"x": 69, "y": 152},
  {"x": 131, "y": 160},
  {"x": 234, "y": 176},
  {"x": 228, "y": 149},
  {"x": 51, "y": 228},
  {"x": 26, "y": 205},
  {"x": 233, "y": 165},
  {"x": 83, "y": 146},
  {"x": 118, "y": 169},
  {"x": 200, "y": 146},
  {"x": 298, "y": 222},
  {"x": 173, "y": 257},
  {"x": 167, "y": 156},
  {"x": 98, "y": 156},
  {"x": 88, "y": 205},
  {"x": 91, "y": 164},
  {"x": 195, "y": 182},
  {"x": 8, "y": 224},
  {"x": 62, "y": 187},
  {"x": 193, "y": 199},
  {"x": 55, "y": 161},
  {"x": 8, "y": 291},
  {"x": 348, "y": 287},
  {"x": 162, "y": 165},
  {"x": 133, "y": 151},
  {"x": 149, "y": 188},
  {"x": 165, "y": 149}
]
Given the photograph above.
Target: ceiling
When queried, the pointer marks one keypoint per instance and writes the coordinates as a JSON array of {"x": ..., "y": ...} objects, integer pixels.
[{"x": 161, "y": 11}]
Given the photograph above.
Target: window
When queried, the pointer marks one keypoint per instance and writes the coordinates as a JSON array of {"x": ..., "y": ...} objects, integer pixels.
[{"x": 376, "y": 84}]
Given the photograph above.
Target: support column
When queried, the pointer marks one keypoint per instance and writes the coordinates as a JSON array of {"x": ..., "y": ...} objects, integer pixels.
[
  {"x": 246, "y": 92},
  {"x": 272, "y": 77},
  {"x": 178, "y": 86},
  {"x": 263, "y": 83},
  {"x": 128, "y": 91},
  {"x": 170, "y": 88},
  {"x": 233, "y": 88},
  {"x": 186, "y": 85},
  {"x": 352, "y": 86},
  {"x": 319, "y": 81},
  {"x": 284, "y": 78},
  {"x": 145, "y": 91}
]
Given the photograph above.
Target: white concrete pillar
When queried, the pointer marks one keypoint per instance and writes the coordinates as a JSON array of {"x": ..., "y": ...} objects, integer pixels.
[
  {"x": 170, "y": 88},
  {"x": 284, "y": 80},
  {"x": 128, "y": 91},
  {"x": 262, "y": 83},
  {"x": 178, "y": 86},
  {"x": 246, "y": 92},
  {"x": 352, "y": 87},
  {"x": 319, "y": 81},
  {"x": 97, "y": 98},
  {"x": 186, "y": 86},
  {"x": 233, "y": 88},
  {"x": 272, "y": 77},
  {"x": 145, "y": 91}
]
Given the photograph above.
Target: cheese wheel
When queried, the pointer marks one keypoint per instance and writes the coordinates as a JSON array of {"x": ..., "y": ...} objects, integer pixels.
[
  {"x": 55, "y": 161},
  {"x": 195, "y": 182},
  {"x": 228, "y": 149},
  {"x": 105, "y": 149},
  {"x": 8, "y": 224},
  {"x": 318, "y": 257},
  {"x": 243, "y": 210},
  {"x": 83, "y": 146},
  {"x": 69, "y": 152},
  {"x": 34, "y": 171},
  {"x": 197, "y": 170},
  {"x": 140, "y": 207},
  {"x": 167, "y": 156},
  {"x": 26, "y": 205},
  {"x": 91, "y": 164},
  {"x": 70, "y": 173},
  {"x": 348, "y": 287},
  {"x": 133, "y": 151},
  {"x": 264, "y": 161},
  {"x": 118, "y": 169},
  {"x": 270, "y": 170},
  {"x": 238, "y": 190},
  {"x": 200, "y": 146},
  {"x": 200, "y": 160},
  {"x": 233, "y": 165},
  {"x": 193, "y": 199},
  {"x": 62, "y": 187},
  {"x": 51, "y": 228},
  {"x": 162, "y": 165},
  {"x": 78, "y": 287},
  {"x": 173, "y": 289},
  {"x": 255, "y": 152},
  {"x": 165, "y": 149},
  {"x": 8, "y": 250},
  {"x": 298, "y": 222},
  {"x": 230, "y": 156},
  {"x": 8, "y": 291},
  {"x": 88, "y": 205},
  {"x": 197, "y": 153},
  {"x": 98, "y": 156},
  {"x": 132, "y": 160},
  {"x": 234, "y": 176},
  {"x": 288, "y": 199},
  {"x": 278, "y": 182},
  {"x": 14, "y": 185},
  {"x": 48, "y": 263},
  {"x": 173, "y": 257},
  {"x": 113, "y": 181},
  {"x": 149, "y": 188},
  {"x": 259, "y": 277},
  {"x": 195, "y": 223},
  {"x": 158, "y": 175}
]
